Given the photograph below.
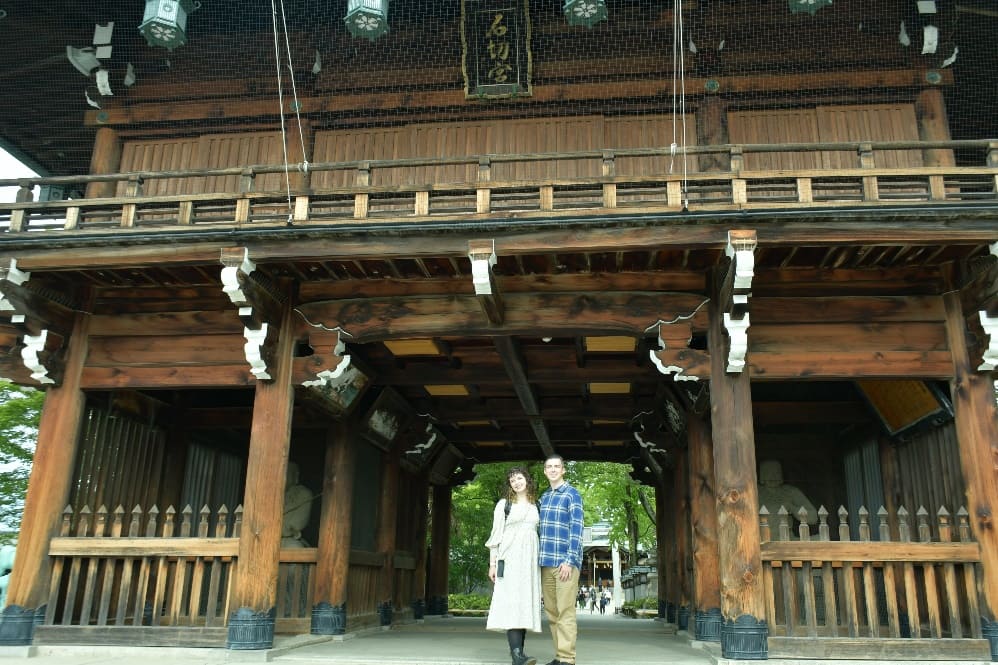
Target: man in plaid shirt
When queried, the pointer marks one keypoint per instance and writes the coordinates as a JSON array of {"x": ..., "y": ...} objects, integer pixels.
[{"x": 560, "y": 558}]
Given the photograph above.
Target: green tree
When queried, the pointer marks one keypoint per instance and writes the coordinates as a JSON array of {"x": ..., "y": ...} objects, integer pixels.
[
  {"x": 608, "y": 493},
  {"x": 20, "y": 409}
]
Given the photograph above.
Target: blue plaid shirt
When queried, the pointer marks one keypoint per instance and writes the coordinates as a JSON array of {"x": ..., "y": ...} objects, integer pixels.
[{"x": 561, "y": 527}]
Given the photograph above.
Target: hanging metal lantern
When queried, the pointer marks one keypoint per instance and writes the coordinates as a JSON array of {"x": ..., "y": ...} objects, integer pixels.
[
  {"x": 367, "y": 18},
  {"x": 585, "y": 12},
  {"x": 165, "y": 22},
  {"x": 809, "y": 6}
]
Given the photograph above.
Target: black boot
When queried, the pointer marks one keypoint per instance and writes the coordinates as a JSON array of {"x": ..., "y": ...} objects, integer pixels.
[{"x": 520, "y": 658}]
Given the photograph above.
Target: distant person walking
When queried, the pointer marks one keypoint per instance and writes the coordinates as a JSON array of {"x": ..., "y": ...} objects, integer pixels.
[
  {"x": 561, "y": 558},
  {"x": 513, "y": 544}
]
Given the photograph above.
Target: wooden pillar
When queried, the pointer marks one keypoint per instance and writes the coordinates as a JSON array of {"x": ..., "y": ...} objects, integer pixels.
[
  {"x": 977, "y": 434},
  {"x": 712, "y": 129},
  {"x": 106, "y": 158},
  {"x": 387, "y": 532},
  {"x": 419, "y": 576},
  {"x": 661, "y": 549},
  {"x": 48, "y": 492},
  {"x": 333, "y": 549},
  {"x": 439, "y": 555},
  {"x": 703, "y": 514},
  {"x": 930, "y": 112},
  {"x": 681, "y": 519},
  {"x": 254, "y": 594},
  {"x": 743, "y": 634}
]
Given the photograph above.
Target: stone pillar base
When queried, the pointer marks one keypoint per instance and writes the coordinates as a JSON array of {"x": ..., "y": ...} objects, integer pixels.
[
  {"x": 745, "y": 638},
  {"x": 707, "y": 625},
  {"x": 251, "y": 630},
  {"x": 329, "y": 619}
]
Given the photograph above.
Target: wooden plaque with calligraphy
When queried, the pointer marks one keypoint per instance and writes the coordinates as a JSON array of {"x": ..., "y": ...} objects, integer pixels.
[{"x": 495, "y": 40}]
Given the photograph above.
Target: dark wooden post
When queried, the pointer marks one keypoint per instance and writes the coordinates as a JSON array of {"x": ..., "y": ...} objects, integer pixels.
[
  {"x": 254, "y": 595},
  {"x": 106, "y": 158},
  {"x": 175, "y": 457},
  {"x": 419, "y": 576},
  {"x": 977, "y": 434},
  {"x": 439, "y": 555},
  {"x": 661, "y": 549},
  {"x": 48, "y": 493},
  {"x": 682, "y": 535},
  {"x": 703, "y": 513},
  {"x": 712, "y": 129},
  {"x": 329, "y": 615},
  {"x": 387, "y": 532},
  {"x": 930, "y": 112},
  {"x": 743, "y": 634}
]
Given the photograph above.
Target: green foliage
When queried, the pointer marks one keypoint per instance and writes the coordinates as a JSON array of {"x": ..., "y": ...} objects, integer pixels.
[
  {"x": 609, "y": 493},
  {"x": 646, "y": 603},
  {"x": 20, "y": 409},
  {"x": 468, "y": 601}
]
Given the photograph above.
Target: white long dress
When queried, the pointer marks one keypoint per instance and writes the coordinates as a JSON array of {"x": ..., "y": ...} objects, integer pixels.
[{"x": 516, "y": 599}]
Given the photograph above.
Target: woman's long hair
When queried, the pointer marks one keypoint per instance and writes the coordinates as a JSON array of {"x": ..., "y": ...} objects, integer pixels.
[{"x": 531, "y": 485}]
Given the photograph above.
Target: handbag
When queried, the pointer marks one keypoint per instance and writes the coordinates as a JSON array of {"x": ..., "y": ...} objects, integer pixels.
[{"x": 501, "y": 563}]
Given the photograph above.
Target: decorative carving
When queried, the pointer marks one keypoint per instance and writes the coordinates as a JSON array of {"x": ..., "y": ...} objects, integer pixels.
[
  {"x": 738, "y": 336},
  {"x": 34, "y": 356},
  {"x": 256, "y": 352},
  {"x": 990, "y": 325},
  {"x": 257, "y": 302},
  {"x": 327, "y": 362},
  {"x": 736, "y": 292},
  {"x": 674, "y": 357},
  {"x": 990, "y": 358}
]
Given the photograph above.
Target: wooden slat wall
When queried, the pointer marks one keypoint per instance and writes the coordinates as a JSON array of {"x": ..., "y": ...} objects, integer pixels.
[
  {"x": 208, "y": 151},
  {"x": 881, "y": 122},
  {"x": 119, "y": 462},
  {"x": 498, "y": 137},
  {"x": 929, "y": 470}
]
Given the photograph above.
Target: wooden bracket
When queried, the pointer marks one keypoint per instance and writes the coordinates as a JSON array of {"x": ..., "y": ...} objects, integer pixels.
[
  {"x": 674, "y": 355},
  {"x": 989, "y": 321},
  {"x": 258, "y": 305},
  {"x": 327, "y": 362},
  {"x": 735, "y": 292},
  {"x": 483, "y": 258},
  {"x": 43, "y": 323}
]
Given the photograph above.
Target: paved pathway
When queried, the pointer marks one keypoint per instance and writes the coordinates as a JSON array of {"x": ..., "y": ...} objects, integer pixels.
[{"x": 603, "y": 640}]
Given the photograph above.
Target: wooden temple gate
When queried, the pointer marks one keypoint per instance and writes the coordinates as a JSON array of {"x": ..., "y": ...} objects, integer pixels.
[{"x": 429, "y": 280}]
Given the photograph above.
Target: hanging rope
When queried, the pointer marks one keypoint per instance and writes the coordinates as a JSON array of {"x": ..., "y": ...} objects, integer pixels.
[
  {"x": 679, "y": 93},
  {"x": 280, "y": 98}
]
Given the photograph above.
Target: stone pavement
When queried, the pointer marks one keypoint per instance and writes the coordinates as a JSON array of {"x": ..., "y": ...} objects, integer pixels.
[{"x": 606, "y": 640}]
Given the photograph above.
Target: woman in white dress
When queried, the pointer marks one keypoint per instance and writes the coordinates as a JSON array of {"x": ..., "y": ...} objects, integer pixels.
[{"x": 516, "y": 599}]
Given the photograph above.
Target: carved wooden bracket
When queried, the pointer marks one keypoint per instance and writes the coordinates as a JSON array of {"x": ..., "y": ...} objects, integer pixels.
[
  {"x": 483, "y": 258},
  {"x": 327, "y": 362},
  {"x": 735, "y": 293},
  {"x": 43, "y": 322},
  {"x": 989, "y": 321},
  {"x": 258, "y": 305},
  {"x": 674, "y": 355}
]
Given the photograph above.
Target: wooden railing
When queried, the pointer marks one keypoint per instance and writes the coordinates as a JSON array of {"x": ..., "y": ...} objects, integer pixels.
[
  {"x": 896, "y": 581},
  {"x": 295, "y": 582},
  {"x": 681, "y": 188},
  {"x": 142, "y": 569}
]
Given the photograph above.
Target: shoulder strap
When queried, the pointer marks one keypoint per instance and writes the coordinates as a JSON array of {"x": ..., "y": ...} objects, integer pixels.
[{"x": 506, "y": 509}]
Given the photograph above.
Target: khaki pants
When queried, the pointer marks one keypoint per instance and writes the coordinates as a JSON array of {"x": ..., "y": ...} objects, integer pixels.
[{"x": 559, "y": 603}]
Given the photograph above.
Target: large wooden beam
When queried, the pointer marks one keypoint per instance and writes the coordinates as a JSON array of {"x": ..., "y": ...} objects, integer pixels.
[
  {"x": 333, "y": 549},
  {"x": 977, "y": 435},
  {"x": 254, "y": 595},
  {"x": 48, "y": 489},
  {"x": 742, "y": 598},
  {"x": 510, "y": 353},
  {"x": 568, "y": 313},
  {"x": 243, "y": 110},
  {"x": 950, "y": 225}
]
